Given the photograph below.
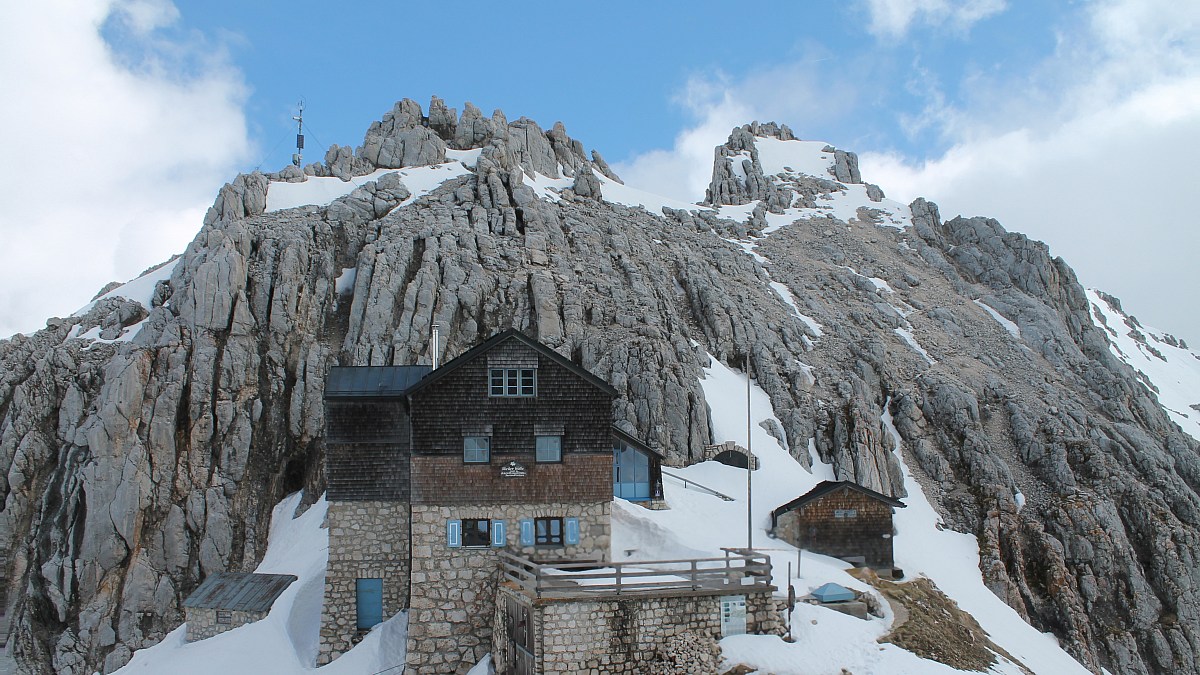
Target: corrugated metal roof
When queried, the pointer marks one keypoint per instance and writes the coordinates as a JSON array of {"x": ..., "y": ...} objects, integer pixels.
[
  {"x": 240, "y": 591},
  {"x": 346, "y": 381}
]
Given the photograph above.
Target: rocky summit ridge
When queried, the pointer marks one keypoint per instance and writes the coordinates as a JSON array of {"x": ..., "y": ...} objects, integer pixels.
[{"x": 145, "y": 440}]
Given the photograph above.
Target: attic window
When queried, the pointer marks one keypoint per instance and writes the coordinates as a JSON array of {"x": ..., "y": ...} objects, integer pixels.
[
  {"x": 845, "y": 513},
  {"x": 513, "y": 382}
]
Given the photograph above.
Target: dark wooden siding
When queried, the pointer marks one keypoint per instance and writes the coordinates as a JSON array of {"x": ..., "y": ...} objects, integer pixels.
[
  {"x": 367, "y": 453},
  {"x": 443, "y": 479},
  {"x": 458, "y": 405},
  {"x": 815, "y": 527}
]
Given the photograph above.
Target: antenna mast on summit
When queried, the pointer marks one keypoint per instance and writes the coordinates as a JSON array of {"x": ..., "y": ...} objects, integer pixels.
[{"x": 299, "y": 156}]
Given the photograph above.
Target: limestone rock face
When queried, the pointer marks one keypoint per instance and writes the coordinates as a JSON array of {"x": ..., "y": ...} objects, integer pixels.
[
  {"x": 132, "y": 468},
  {"x": 245, "y": 196}
]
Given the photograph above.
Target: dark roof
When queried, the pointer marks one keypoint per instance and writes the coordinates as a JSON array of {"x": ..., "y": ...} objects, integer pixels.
[
  {"x": 637, "y": 443},
  {"x": 240, "y": 591},
  {"x": 511, "y": 334},
  {"x": 363, "y": 381},
  {"x": 827, "y": 486}
]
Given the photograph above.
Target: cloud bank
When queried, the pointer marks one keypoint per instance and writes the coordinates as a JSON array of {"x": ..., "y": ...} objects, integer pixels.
[{"x": 112, "y": 153}]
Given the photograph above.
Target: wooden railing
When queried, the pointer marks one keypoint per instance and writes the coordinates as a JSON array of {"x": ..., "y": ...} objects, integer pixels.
[
  {"x": 738, "y": 571},
  {"x": 689, "y": 483}
]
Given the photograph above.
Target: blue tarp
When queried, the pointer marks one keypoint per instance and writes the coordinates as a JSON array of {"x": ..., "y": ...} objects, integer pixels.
[{"x": 833, "y": 593}]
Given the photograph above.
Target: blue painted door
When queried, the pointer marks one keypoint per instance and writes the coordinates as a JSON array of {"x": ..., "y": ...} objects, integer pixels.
[
  {"x": 631, "y": 474},
  {"x": 369, "y": 593}
]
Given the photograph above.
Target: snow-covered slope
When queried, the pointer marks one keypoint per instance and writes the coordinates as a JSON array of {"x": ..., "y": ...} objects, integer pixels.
[
  {"x": 286, "y": 640},
  {"x": 697, "y": 524},
  {"x": 1165, "y": 364}
]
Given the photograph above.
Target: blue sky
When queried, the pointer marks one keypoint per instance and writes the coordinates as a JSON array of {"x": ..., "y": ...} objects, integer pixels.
[
  {"x": 1073, "y": 122},
  {"x": 616, "y": 73}
]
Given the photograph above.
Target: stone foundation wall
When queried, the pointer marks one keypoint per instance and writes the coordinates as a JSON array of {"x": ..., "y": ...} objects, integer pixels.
[
  {"x": 454, "y": 589},
  {"x": 367, "y": 540},
  {"x": 202, "y": 622},
  {"x": 619, "y": 634}
]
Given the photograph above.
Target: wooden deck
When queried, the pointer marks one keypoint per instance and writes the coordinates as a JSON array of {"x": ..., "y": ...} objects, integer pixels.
[{"x": 740, "y": 570}]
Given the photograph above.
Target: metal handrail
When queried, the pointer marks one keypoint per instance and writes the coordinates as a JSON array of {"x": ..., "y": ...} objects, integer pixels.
[
  {"x": 563, "y": 580},
  {"x": 688, "y": 482}
]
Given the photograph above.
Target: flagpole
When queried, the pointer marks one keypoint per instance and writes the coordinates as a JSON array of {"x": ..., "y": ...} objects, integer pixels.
[{"x": 749, "y": 464}]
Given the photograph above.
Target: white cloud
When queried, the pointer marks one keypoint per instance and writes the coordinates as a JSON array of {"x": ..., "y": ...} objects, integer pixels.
[
  {"x": 1110, "y": 191},
  {"x": 893, "y": 18},
  {"x": 111, "y": 156},
  {"x": 1090, "y": 153}
]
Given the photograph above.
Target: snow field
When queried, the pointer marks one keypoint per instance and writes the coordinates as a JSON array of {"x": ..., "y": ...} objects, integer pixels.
[
  {"x": 140, "y": 290},
  {"x": 1177, "y": 378},
  {"x": 286, "y": 641},
  {"x": 322, "y": 191},
  {"x": 700, "y": 525}
]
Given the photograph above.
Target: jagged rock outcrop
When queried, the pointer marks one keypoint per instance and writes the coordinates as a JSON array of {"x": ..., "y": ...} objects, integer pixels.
[
  {"x": 131, "y": 469},
  {"x": 245, "y": 196}
]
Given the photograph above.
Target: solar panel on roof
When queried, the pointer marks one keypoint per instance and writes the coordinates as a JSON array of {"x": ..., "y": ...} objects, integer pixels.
[{"x": 346, "y": 381}]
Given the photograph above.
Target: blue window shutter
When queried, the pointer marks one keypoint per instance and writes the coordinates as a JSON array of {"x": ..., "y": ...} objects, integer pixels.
[
  {"x": 572, "y": 535},
  {"x": 499, "y": 535},
  {"x": 527, "y": 532},
  {"x": 454, "y": 533}
]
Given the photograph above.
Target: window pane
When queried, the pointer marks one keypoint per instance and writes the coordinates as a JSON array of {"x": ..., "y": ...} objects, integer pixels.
[
  {"x": 549, "y": 532},
  {"x": 477, "y": 449},
  {"x": 477, "y": 532},
  {"x": 527, "y": 382},
  {"x": 549, "y": 448},
  {"x": 497, "y": 383}
]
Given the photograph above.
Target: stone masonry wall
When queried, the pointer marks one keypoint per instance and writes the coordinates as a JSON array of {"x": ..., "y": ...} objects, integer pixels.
[
  {"x": 454, "y": 589},
  {"x": 618, "y": 634},
  {"x": 367, "y": 540},
  {"x": 202, "y": 622}
]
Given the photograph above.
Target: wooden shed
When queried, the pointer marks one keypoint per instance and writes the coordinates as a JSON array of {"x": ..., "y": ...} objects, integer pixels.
[
  {"x": 227, "y": 600},
  {"x": 840, "y": 519}
]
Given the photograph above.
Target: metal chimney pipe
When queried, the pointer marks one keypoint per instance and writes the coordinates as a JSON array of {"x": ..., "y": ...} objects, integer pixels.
[{"x": 433, "y": 348}]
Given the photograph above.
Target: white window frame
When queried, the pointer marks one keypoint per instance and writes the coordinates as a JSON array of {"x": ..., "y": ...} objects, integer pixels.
[{"x": 512, "y": 382}]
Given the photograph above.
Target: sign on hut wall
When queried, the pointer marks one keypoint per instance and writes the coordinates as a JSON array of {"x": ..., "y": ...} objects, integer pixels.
[{"x": 513, "y": 469}]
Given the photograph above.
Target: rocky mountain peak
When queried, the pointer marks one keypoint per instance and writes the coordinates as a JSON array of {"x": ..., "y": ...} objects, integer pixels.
[
  {"x": 144, "y": 442},
  {"x": 739, "y": 176}
]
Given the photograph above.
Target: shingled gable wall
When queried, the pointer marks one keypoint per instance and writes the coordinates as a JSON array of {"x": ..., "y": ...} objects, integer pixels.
[
  {"x": 454, "y": 589},
  {"x": 397, "y": 476},
  {"x": 814, "y": 526}
]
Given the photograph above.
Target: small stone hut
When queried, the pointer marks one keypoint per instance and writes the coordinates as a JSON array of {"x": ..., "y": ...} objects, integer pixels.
[
  {"x": 226, "y": 600},
  {"x": 840, "y": 519}
]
